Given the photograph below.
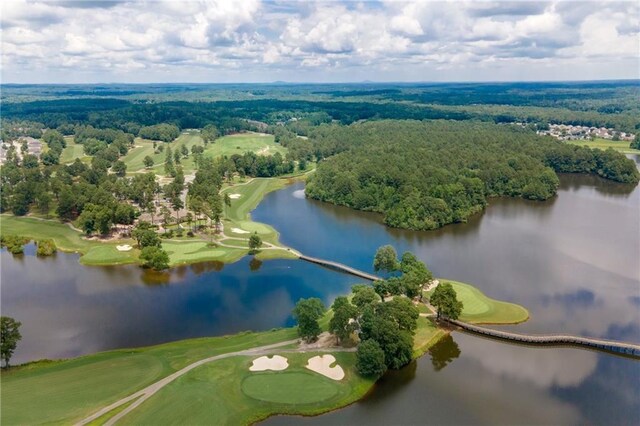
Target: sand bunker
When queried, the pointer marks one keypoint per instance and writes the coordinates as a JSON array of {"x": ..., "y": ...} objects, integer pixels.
[
  {"x": 125, "y": 247},
  {"x": 275, "y": 363},
  {"x": 235, "y": 196},
  {"x": 322, "y": 364},
  {"x": 239, "y": 231}
]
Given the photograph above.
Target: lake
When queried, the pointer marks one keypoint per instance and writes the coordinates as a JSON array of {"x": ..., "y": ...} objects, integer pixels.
[{"x": 573, "y": 261}]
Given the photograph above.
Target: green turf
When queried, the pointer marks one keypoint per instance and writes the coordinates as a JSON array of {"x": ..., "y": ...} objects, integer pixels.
[
  {"x": 599, "y": 143},
  {"x": 241, "y": 143},
  {"x": 66, "y": 239},
  {"x": 72, "y": 151},
  {"x": 67, "y": 391},
  {"x": 134, "y": 159},
  {"x": 288, "y": 387},
  {"x": 226, "y": 392},
  {"x": 199, "y": 251},
  {"x": 480, "y": 309}
]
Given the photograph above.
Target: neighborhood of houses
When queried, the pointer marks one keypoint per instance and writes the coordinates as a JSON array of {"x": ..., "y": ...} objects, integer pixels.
[
  {"x": 23, "y": 144},
  {"x": 567, "y": 132}
]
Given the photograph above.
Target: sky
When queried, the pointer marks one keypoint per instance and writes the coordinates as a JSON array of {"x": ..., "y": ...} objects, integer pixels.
[{"x": 221, "y": 41}]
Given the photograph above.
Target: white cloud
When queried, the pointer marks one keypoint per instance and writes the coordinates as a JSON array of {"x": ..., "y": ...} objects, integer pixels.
[{"x": 325, "y": 39}]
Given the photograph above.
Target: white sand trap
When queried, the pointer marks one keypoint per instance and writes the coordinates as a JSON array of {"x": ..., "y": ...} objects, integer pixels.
[
  {"x": 322, "y": 364},
  {"x": 125, "y": 247},
  {"x": 239, "y": 231},
  {"x": 235, "y": 196},
  {"x": 275, "y": 363}
]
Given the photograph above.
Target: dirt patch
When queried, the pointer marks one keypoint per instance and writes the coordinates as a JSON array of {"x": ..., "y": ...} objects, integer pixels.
[{"x": 325, "y": 340}]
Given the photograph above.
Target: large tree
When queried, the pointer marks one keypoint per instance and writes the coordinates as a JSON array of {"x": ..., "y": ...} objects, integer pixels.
[
  {"x": 307, "y": 312},
  {"x": 386, "y": 259},
  {"x": 445, "y": 299},
  {"x": 370, "y": 360},
  {"x": 343, "y": 322},
  {"x": 9, "y": 338},
  {"x": 155, "y": 258},
  {"x": 255, "y": 242}
]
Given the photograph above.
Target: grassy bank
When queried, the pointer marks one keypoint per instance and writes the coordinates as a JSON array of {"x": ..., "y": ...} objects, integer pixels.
[
  {"x": 68, "y": 391},
  {"x": 599, "y": 143},
  {"x": 481, "y": 309},
  {"x": 226, "y": 392},
  {"x": 93, "y": 252},
  {"x": 219, "y": 392},
  {"x": 232, "y": 246}
]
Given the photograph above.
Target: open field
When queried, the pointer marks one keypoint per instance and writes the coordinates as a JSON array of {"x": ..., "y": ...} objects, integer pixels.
[
  {"x": 260, "y": 143},
  {"x": 480, "y": 309},
  {"x": 143, "y": 147},
  {"x": 223, "y": 391},
  {"x": 93, "y": 252},
  {"x": 68, "y": 391},
  {"x": 226, "y": 392},
  {"x": 72, "y": 151},
  {"x": 599, "y": 143}
]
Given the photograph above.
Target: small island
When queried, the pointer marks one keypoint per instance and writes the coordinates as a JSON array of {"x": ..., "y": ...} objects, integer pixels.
[{"x": 331, "y": 359}]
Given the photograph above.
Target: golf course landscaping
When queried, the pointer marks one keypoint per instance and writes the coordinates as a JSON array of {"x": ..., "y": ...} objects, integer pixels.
[
  {"x": 481, "y": 309},
  {"x": 237, "y": 379},
  {"x": 228, "y": 247}
]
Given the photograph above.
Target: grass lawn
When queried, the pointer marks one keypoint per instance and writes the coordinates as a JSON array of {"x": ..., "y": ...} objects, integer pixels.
[
  {"x": 66, "y": 239},
  {"x": 226, "y": 392},
  {"x": 183, "y": 252},
  {"x": 480, "y": 309},
  {"x": 68, "y": 391},
  {"x": 599, "y": 143},
  {"x": 143, "y": 147},
  {"x": 260, "y": 143},
  {"x": 427, "y": 335},
  {"x": 72, "y": 151}
]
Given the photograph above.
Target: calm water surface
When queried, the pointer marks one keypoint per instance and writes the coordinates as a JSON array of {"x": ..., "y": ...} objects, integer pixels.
[{"x": 573, "y": 261}]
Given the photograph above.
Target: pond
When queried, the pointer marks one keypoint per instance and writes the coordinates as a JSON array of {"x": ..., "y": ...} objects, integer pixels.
[{"x": 573, "y": 261}]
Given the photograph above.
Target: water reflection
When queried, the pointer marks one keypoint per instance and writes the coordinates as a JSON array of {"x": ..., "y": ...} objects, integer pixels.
[{"x": 444, "y": 352}]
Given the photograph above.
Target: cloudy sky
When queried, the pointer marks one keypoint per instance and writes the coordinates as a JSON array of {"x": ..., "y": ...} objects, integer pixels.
[{"x": 322, "y": 41}]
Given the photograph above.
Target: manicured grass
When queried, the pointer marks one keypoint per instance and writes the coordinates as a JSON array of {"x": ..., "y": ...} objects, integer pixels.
[
  {"x": 480, "y": 309},
  {"x": 226, "y": 392},
  {"x": 68, "y": 391},
  {"x": 288, "y": 387},
  {"x": 143, "y": 147},
  {"x": 72, "y": 151},
  {"x": 599, "y": 143},
  {"x": 66, "y": 239},
  {"x": 260, "y": 143},
  {"x": 427, "y": 335},
  {"x": 199, "y": 251}
]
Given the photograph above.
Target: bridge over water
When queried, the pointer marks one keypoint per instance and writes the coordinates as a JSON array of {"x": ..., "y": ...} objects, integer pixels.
[{"x": 623, "y": 348}]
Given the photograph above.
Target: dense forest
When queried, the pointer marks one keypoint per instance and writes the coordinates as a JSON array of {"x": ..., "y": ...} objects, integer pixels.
[
  {"x": 423, "y": 175},
  {"x": 611, "y": 104}
]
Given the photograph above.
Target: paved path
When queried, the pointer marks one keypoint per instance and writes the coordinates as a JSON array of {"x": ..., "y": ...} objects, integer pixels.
[
  {"x": 142, "y": 395},
  {"x": 146, "y": 393}
]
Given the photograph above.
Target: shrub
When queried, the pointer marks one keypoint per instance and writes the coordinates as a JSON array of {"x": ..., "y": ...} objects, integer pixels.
[{"x": 46, "y": 247}]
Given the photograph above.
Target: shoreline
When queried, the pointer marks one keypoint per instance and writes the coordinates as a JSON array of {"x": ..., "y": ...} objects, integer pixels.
[{"x": 146, "y": 366}]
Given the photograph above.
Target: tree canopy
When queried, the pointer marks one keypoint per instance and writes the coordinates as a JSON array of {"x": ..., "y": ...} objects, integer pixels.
[
  {"x": 307, "y": 312},
  {"x": 9, "y": 338}
]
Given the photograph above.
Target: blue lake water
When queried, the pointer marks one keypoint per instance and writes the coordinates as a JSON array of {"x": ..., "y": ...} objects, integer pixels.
[{"x": 573, "y": 261}]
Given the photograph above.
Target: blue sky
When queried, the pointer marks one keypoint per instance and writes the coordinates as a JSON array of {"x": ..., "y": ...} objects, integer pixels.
[{"x": 317, "y": 41}]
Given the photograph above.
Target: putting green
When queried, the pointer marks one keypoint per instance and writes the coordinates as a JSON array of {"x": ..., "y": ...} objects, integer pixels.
[
  {"x": 289, "y": 387},
  {"x": 479, "y": 308}
]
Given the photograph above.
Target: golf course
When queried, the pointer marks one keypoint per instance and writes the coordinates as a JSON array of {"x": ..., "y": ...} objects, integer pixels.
[
  {"x": 481, "y": 309},
  {"x": 208, "y": 379}
]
